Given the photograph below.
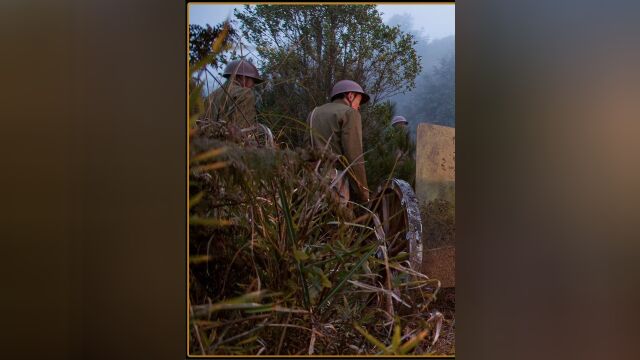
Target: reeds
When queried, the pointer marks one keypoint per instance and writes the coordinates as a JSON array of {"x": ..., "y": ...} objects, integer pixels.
[{"x": 277, "y": 266}]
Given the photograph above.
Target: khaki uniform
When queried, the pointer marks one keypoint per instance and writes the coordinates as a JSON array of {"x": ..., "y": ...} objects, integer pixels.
[
  {"x": 232, "y": 104},
  {"x": 340, "y": 126}
]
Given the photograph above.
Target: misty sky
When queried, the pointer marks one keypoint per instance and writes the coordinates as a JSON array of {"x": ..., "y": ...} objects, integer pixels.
[{"x": 434, "y": 20}]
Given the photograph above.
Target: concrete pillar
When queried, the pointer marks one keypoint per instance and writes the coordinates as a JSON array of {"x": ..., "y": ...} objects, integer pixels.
[{"x": 435, "y": 179}]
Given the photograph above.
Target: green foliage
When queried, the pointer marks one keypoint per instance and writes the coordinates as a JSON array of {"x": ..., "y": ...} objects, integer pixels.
[
  {"x": 201, "y": 40},
  {"x": 306, "y": 49}
]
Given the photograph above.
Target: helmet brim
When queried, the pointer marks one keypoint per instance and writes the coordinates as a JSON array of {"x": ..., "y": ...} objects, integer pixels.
[{"x": 255, "y": 80}]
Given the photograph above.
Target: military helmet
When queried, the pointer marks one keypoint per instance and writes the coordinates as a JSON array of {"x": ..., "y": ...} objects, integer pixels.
[
  {"x": 345, "y": 86},
  {"x": 399, "y": 119},
  {"x": 244, "y": 68}
]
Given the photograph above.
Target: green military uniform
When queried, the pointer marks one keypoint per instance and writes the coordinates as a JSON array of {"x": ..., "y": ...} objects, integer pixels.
[
  {"x": 341, "y": 126},
  {"x": 232, "y": 104},
  {"x": 403, "y": 148}
]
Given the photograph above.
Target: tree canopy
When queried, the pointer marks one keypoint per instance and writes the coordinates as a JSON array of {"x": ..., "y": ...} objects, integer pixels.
[
  {"x": 201, "y": 40},
  {"x": 306, "y": 49},
  {"x": 319, "y": 45}
]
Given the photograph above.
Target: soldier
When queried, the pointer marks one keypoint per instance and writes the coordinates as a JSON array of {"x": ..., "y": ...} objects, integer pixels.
[
  {"x": 400, "y": 139},
  {"x": 234, "y": 102},
  {"x": 399, "y": 121},
  {"x": 337, "y": 126}
]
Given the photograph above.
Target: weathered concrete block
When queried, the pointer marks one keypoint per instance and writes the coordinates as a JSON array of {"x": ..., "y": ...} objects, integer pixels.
[
  {"x": 435, "y": 179},
  {"x": 435, "y": 162}
]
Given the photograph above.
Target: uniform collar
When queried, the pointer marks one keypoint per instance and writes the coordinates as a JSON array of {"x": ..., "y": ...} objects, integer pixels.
[{"x": 339, "y": 101}]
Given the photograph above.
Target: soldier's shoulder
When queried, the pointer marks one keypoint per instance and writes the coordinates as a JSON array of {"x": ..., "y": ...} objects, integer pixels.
[
  {"x": 335, "y": 107},
  {"x": 351, "y": 113},
  {"x": 240, "y": 91}
]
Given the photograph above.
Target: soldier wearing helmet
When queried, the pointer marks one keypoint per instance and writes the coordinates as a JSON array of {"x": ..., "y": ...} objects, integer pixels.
[
  {"x": 399, "y": 121},
  {"x": 234, "y": 102},
  {"x": 337, "y": 126},
  {"x": 398, "y": 142}
]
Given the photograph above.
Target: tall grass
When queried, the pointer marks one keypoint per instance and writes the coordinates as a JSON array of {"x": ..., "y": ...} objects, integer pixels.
[{"x": 278, "y": 266}]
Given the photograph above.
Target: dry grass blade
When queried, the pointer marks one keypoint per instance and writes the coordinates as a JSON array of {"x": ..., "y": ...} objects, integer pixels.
[
  {"x": 375, "y": 289},
  {"x": 389, "y": 294},
  {"x": 312, "y": 342},
  {"x": 438, "y": 318},
  {"x": 197, "y": 332},
  {"x": 205, "y": 310}
]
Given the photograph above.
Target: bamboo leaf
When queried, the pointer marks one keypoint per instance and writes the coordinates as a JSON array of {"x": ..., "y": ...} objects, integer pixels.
[
  {"x": 395, "y": 339},
  {"x": 209, "y": 154},
  {"x": 325, "y": 280},
  {"x": 300, "y": 255},
  {"x": 196, "y": 199},
  {"x": 204, "y": 310},
  {"x": 212, "y": 222},
  {"x": 413, "y": 342},
  {"x": 372, "y": 339},
  {"x": 344, "y": 279},
  {"x": 210, "y": 167},
  {"x": 198, "y": 259},
  {"x": 217, "y": 43},
  {"x": 246, "y": 301}
]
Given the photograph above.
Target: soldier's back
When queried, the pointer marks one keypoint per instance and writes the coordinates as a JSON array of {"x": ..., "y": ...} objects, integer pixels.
[
  {"x": 326, "y": 125},
  {"x": 233, "y": 104}
]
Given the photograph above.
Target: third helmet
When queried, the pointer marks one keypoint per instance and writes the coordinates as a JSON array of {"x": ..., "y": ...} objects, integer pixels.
[{"x": 399, "y": 119}]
